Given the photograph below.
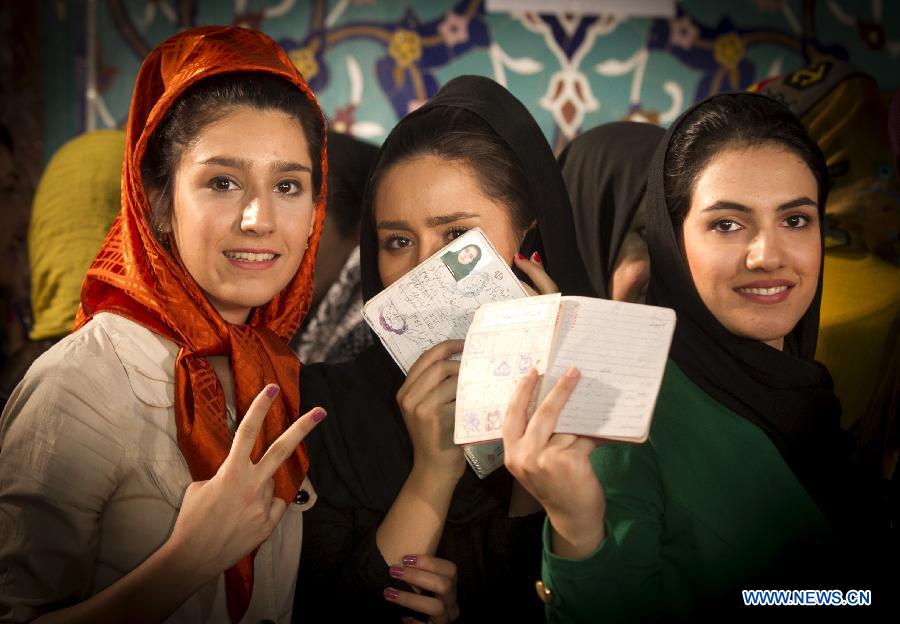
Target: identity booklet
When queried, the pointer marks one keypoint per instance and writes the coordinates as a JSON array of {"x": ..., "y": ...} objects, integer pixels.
[
  {"x": 436, "y": 301},
  {"x": 619, "y": 348}
]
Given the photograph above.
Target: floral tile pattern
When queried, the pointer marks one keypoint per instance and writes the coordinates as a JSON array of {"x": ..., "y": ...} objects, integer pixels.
[{"x": 372, "y": 61}]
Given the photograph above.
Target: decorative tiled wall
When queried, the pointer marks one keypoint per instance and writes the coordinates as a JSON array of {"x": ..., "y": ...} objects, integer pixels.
[{"x": 371, "y": 61}]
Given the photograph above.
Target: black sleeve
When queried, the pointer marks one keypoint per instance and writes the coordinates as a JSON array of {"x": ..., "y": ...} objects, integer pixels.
[{"x": 342, "y": 574}]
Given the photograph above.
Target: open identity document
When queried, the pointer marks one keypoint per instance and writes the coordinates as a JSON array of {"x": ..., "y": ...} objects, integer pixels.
[
  {"x": 619, "y": 348},
  {"x": 436, "y": 301}
]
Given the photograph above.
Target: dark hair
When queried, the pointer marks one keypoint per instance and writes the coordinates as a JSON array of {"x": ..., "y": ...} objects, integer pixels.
[
  {"x": 208, "y": 101},
  {"x": 727, "y": 122},
  {"x": 477, "y": 252},
  {"x": 459, "y": 135},
  {"x": 349, "y": 162},
  {"x": 6, "y": 138}
]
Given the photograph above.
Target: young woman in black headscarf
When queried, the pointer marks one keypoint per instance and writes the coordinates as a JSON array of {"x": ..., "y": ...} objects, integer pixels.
[
  {"x": 605, "y": 170},
  {"x": 397, "y": 503},
  {"x": 741, "y": 474}
]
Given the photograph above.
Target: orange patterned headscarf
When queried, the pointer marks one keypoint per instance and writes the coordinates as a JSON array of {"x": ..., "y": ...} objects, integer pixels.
[{"x": 135, "y": 277}]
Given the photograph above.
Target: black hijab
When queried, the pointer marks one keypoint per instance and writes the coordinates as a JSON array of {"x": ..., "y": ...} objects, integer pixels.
[
  {"x": 349, "y": 161},
  {"x": 554, "y": 237},
  {"x": 605, "y": 170},
  {"x": 785, "y": 393}
]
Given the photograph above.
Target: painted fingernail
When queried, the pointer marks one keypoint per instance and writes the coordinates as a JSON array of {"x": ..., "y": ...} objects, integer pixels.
[
  {"x": 572, "y": 372},
  {"x": 520, "y": 256},
  {"x": 408, "y": 620},
  {"x": 319, "y": 415},
  {"x": 396, "y": 571},
  {"x": 409, "y": 560},
  {"x": 536, "y": 257},
  {"x": 390, "y": 593},
  {"x": 271, "y": 391}
]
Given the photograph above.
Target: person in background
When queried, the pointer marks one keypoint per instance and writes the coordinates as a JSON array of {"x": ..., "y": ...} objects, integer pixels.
[
  {"x": 15, "y": 316},
  {"x": 393, "y": 486},
  {"x": 334, "y": 330},
  {"x": 142, "y": 478},
  {"x": 742, "y": 476},
  {"x": 606, "y": 182},
  {"x": 76, "y": 201},
  {"x": 859, "y": 333}
]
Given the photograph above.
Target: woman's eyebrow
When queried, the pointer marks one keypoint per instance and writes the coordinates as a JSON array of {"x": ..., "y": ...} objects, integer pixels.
[
  {"x": 449, "y": 218},
  {"x": 735, "y": 206},
  {"x": 727, "y": 205},
  {"x": 283, "y": 166},
  {"x": 393, "y": 225},
  {"x": 797, "y": 203},
  {"x": 227, "y": 161},
  {"x": 278, "y": 166}
]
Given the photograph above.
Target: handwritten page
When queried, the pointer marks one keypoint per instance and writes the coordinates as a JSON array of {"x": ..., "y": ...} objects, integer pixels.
[
  {"x": 619, "y": 348},
  {"x": 437, "y": 300},
  {"x": 621, "y": 351},
  {"x": 505, "y": 341}
]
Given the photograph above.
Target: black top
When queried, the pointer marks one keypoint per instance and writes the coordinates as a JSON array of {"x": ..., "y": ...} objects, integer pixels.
[
  {"x": 358, "y": 466},
  {"x": 361, "y": 455}
]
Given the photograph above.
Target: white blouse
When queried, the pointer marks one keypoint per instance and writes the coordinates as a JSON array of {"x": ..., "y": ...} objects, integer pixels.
[{"x": 91, "y": 479}]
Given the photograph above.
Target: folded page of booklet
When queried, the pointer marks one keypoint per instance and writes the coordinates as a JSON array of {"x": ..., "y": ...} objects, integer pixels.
[{"x": 619, "y": 348}]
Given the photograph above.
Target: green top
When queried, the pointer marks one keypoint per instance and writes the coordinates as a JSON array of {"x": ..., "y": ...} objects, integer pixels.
[{"x": 704, "y": 507}]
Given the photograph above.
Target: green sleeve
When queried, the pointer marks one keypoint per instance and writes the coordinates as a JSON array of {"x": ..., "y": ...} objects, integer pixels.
[{"x": 620, "y": 581}]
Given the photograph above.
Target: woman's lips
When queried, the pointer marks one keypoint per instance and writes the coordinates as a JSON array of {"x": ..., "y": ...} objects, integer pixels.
[
  {"x": 252, "y": 259},
  {"x": 766, "y": 291}
]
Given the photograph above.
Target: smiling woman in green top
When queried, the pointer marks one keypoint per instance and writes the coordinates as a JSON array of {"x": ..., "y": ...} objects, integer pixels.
[{"x": 732, "y": 487}]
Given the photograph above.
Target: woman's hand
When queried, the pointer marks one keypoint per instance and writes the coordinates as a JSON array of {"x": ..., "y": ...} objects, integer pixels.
[
  {"x": 427, "y": 400},
  {"x": 226, "y": 517},
  {"x": 547, "y": 464},
  {"x": 534, "y": 269},
  {"x": 431, "y": 574}
]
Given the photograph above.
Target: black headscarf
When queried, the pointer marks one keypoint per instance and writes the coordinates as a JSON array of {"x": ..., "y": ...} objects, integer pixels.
[
  {"x": 554, "y": 236},
  {"x": 605, "y": 170},
  {"x": 785, "y": 393},
  {"x": 349, "y": 161}
]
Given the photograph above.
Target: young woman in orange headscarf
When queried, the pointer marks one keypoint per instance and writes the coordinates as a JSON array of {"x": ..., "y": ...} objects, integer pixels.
[{"x": 130, "y": 487}]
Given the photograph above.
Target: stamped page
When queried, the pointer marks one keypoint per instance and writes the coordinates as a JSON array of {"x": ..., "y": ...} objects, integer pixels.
[
  {"x": 621, "y": 351},
  {"x": 505, "y": 341},
  {"x": 437, "y": 299}
]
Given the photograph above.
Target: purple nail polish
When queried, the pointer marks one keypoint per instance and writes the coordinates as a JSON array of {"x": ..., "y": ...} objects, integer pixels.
[
  {"x": 319, "y": 415},
  {"x": 271, "y": 391},
  {"x": 409, "y": 560},
  {"x": 390, "y": 593},
  {"x": 396, "y": 571}
]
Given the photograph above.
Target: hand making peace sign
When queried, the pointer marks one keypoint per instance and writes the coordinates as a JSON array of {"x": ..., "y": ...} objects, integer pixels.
[{"x": 240, "y": 496}]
